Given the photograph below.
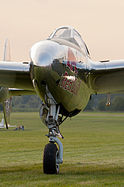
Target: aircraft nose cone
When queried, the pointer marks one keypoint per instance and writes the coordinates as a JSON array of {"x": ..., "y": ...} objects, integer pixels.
[{"x": 43, "y": 53}]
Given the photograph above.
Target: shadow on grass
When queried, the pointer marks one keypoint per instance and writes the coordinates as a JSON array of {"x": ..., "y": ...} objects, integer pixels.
[
  {"x": 92, "y": 169},
  {"x": 65, "y": 169},
  {"x": 70, "y": 175}
]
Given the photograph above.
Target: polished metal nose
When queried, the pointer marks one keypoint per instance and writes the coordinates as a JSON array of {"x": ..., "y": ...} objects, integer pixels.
[
  {"x": 43, "y": 53},
  {"x": 44, "y": 59}
]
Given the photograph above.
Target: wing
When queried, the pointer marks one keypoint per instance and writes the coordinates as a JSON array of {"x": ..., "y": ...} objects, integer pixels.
[
  {"x": 12, "y": 74},
  {"x": 107, "y": 76},
  {"x": 15, "y": 75},
  {"x": 14, "y": 80}
]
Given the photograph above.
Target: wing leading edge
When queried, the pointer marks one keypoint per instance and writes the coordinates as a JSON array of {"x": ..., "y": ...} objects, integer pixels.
[{"x": 104, "y": 77}]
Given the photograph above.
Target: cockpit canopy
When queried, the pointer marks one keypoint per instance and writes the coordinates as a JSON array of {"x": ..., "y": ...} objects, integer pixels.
[{"x": 72, "y": 36}]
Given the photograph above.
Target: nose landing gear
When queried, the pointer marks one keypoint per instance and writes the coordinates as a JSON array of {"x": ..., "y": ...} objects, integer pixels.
[{"x": 53, "y": 151}]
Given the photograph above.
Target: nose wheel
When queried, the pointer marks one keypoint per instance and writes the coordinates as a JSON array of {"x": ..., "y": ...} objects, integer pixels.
[
  {"x": 53, "y": 156},
  {"x": 50, "y": 165}
]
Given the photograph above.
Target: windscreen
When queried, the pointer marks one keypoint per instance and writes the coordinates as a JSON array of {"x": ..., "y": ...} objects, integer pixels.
[{"x": 71, "y": 35}]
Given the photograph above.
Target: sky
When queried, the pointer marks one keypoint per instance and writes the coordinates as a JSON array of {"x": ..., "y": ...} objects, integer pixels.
[{"x": 100, "y": 23}]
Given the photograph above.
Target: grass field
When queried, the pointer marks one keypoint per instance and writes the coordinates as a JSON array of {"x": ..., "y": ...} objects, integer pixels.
[{"x": 93, "y": 151}]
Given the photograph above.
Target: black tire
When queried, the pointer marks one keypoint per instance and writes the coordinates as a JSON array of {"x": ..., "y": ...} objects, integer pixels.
[{"x": 49, "y": 159}]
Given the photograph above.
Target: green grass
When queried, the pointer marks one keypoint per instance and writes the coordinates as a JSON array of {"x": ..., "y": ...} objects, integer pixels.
[{"x": 93, "y": 151}]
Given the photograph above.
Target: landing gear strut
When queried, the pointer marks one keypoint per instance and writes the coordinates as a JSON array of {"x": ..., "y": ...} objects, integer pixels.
[{"x": 53, "y": 151}]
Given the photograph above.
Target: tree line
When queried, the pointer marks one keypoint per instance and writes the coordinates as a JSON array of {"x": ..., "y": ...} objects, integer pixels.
[
  {"x": 99, "y": 103},
  {"x": 96, "y": 103}
]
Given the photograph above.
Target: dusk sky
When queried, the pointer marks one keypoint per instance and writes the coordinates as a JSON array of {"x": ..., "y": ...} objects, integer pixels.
[{"x": 100, "y": 23}]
